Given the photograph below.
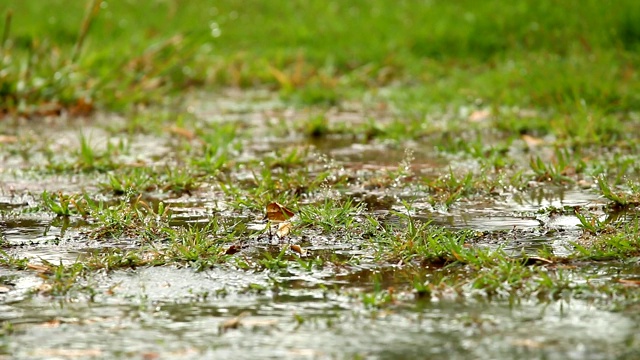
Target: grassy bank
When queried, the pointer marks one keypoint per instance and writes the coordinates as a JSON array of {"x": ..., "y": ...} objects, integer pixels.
[{"x": 534, "y": 53}]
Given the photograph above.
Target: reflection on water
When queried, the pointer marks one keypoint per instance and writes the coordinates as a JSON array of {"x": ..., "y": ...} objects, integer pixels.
[{"x": 553, "y": 196}]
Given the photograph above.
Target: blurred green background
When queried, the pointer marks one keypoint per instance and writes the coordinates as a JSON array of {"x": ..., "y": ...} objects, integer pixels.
[{"x": 548, "y": 54}]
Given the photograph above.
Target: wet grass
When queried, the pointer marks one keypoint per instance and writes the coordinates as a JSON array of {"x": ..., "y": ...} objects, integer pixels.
[
  {"x": 401, "y": 239},
  {"x": 494, "y": 56},
  {"x": 484, "y": 158}
]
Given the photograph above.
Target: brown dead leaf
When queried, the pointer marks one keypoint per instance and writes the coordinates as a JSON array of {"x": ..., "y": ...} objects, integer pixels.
[
  {"x": 585, "y": 184},
  {"x": 527, "y": 343},
  {"x": 284, "y": 228},
  {"x": 258, "y": 323},
  {"x": 48, "y": 109},
  {"x": 150, "y": 355},
  {"x": 67, "y": 353},
  {"x": 531, "y": 141},
  {"x": 151, "y": 83},
  {"x": 182, "y": 132},
  {"x": 43, "y": 269},
  {"x": 479, "y": 115},
  {"x": 298, "y": 249},
  {"x": 112, "y": 289},
  {"x": 82, "y": 107},
  {"x": 8, "y": 139},
  {"x": 233, "y": 249},
  {"x": 629, "y": 282},
  {"x": 307, "y": 353},
  {"x": 44, "y": 288},
  {"x": 53, "y": 323},
  {"x": 233, "y": 323},
  {"x": 278, "y": 213}
]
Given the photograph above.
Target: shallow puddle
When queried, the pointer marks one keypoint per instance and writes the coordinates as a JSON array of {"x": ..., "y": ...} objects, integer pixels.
[{"x": 179, "y": 313}]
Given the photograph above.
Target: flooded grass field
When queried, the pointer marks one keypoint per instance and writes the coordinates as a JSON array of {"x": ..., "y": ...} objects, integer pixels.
[{"x": 160, "y": 245}]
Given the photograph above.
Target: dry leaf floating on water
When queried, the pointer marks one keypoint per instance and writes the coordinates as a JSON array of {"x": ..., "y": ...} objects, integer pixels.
[
  {"x": 232, "y": 249},
  {"x": 479, "y": 115},
  {"x": 284, "y": 228},
  {"x": 277, "y": 212},
  {"x": 233, "y": 323},
  {"x": 531, "y": 141},
  {"x": 298, "y": 249}
]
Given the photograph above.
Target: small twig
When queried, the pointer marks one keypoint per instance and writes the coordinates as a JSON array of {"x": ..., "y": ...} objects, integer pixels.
[{"x": 90, "y": 14}]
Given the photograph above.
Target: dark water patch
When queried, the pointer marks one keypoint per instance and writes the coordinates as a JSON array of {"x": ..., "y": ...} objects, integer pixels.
[
  {"x": 42, "y": 238},
  {"x": 480, "y": 222},
  {"x": 175, "y": 284},
  {"x": 375, "y": 203},
  {"x": 533, "y": 243},
  {"x": 380, "y": 156},
  {"x": 190, "y": 211},
  {"x": 25, "y": 231},
  {"x": 8, "y": 205},
  {"x": 53, "y": 254},
  {"x": 552, "y": 196},
  {"x": 522, "y": 222}
]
